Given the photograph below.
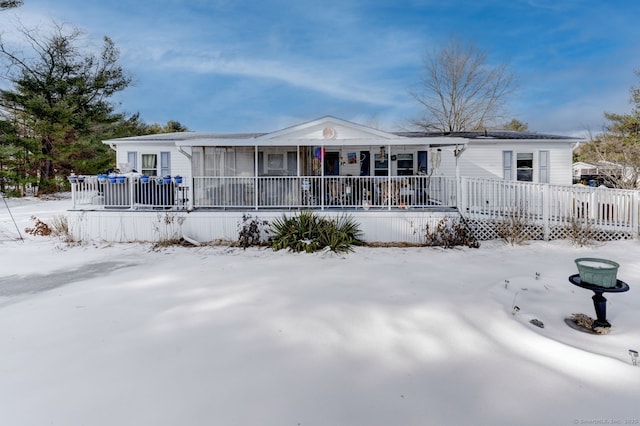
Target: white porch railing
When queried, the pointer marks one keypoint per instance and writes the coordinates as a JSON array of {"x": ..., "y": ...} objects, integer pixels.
[
  {"x": 551, "y": 205},
  {"x": 323, "y": 192},
  {"x": 89, "y": 192},
  {"x": 476, "y": 198},
  {"x": 265, "y": 192}
]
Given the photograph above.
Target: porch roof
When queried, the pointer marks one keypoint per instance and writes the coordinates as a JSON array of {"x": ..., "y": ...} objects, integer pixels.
[
  {"x": 326, "y": 131},
  {"x": 255, "y": 142}
]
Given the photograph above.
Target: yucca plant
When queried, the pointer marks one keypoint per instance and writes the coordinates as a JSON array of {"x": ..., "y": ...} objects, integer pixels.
[{"x": 307, "y": 232}]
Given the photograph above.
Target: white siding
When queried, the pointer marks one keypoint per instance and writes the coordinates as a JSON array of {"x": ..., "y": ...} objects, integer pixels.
[
  {"x": 204, "y": 226},
  {"x": 560, "y": 170},
  {"x": 180, "y": 164},
  {"x": 485, "y": 160}
]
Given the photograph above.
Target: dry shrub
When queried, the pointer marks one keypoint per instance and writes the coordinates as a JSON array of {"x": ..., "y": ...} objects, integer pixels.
[
  {"x": 450, "y": 232},
  {"x": 586, "y": 321},
  {"x": 168, "y": 228},
  {"x": 59, "y": 227},
  {"x": 513, "y": 227},
  {"x": 581, "y": 232},
  {"x": 40, "y": 228}
]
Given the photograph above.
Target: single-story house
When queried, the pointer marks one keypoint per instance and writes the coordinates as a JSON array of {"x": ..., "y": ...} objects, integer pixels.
[
  {"x": 326, "y": 164},
  {"x": 602, "y": 173}
]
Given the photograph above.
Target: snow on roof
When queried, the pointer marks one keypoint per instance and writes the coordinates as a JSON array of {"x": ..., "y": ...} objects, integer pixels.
[{"x": 489, "y": 134}]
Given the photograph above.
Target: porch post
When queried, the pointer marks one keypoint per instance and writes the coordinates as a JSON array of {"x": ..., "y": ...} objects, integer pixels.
[
  {"x": 73, "y": 195},
  {"x": 457, "y": 152},
  {"x": 546, "y": 212},
  {"x": 634, "y": 212},
  {"x": 322, "y": 178},
  {"x": 255, "y": 178},
  {"x": 132, "y": 200},
  {"x": 388, "y": 175},
  {"x": 458, "y": 186}
]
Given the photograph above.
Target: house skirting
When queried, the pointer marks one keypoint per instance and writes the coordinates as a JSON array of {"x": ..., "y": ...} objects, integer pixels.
[{"x": 378, "y": 226}]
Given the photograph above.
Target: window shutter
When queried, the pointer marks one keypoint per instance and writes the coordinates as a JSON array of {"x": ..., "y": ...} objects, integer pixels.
[
  {"x": 544, "y": 166},
  {"x": 507, "y": 165},
  {"x": 132, "y": 159},
  {"x": 165, "y": 163}
]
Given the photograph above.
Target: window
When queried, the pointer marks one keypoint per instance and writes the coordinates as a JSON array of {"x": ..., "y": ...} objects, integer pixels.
[
  {"x": 381, "y": 165},
  {"x": 422, "y": 162},
  {"x": 275, "y": 161},
  {"x": 149, "y": 164},
  {"x": 524, "y": 166},
  {"x": 405, "y": 164}
]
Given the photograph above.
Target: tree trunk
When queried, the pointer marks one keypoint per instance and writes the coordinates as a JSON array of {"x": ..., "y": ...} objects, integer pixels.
[{"x": 47, "y": 172}]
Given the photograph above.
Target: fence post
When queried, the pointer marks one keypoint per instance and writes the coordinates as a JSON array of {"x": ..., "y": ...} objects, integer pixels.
[
  {"x": 461, "y": 194},
  {"x": 635, "y": 199},
  {"x": 132, "y": 200},
  {"x": 74, "y": 194},
  {"x": 546, "y": 212}
]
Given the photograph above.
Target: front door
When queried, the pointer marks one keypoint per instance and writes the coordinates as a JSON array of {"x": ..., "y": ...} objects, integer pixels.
[{"x": 332, "y": 164}]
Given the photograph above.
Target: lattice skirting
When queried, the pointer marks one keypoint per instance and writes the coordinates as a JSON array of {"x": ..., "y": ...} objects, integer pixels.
[{"x": 484, "y": 230}]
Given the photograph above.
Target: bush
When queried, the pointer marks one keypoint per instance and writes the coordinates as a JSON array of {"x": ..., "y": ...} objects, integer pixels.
[
  {"x": 449, "y": 233},
  {"x": 514, "y": 227},
  {"x": 251, "y": 230},
  {"x": 168, "y": 228},
  {"x": 307, "y": 232},
  {"x": 40, "y": 228},
  {"x": 59, "y": 227},
  {"x": 581, "y": 232}
]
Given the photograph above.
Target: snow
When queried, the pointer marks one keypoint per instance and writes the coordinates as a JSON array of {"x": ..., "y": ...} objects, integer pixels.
[{"x": 125, "y": 334}]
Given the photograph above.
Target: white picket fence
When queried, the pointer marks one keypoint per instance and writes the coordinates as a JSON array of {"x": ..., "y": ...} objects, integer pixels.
[
  {"x": 613, "y": 211},
  {"x": 551, "y": 208}
]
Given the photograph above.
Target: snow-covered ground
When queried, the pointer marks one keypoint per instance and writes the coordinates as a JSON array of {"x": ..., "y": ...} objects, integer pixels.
[{"x": 102, "y": 334}]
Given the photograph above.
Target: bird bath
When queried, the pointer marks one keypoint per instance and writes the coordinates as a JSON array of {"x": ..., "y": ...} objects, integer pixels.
[{"x": 599, "y": 301}]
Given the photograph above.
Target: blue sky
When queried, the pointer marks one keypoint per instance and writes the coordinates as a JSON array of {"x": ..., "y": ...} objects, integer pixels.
[{"x": 236, "y": 66}]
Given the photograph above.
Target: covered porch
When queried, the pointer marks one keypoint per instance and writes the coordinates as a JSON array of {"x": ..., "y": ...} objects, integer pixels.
[
  {"x": 324, "y": 164},
  {"x": 133, "y": 192}
]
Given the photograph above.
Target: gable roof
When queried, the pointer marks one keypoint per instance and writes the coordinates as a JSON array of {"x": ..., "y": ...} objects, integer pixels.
[
  {"x": 332, "y": 131},
  {"x": 492, "y": 134},
  {"x": 325, "y": 131}
]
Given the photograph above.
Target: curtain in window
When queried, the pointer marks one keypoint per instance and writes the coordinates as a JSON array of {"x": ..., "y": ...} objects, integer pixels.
[
  {"x": 149, "y": 164},
  {"x": 229, "y": 161},
  {"x": 197, "y": 162},
  {"x": 212, "y": 161},
  {"x": 149, "y": 161}
]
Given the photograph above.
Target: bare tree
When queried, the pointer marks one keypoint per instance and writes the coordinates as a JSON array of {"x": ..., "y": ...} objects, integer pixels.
[
  {"x": 459, "y": 90},
  {"x": 8, "y": 4}
]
